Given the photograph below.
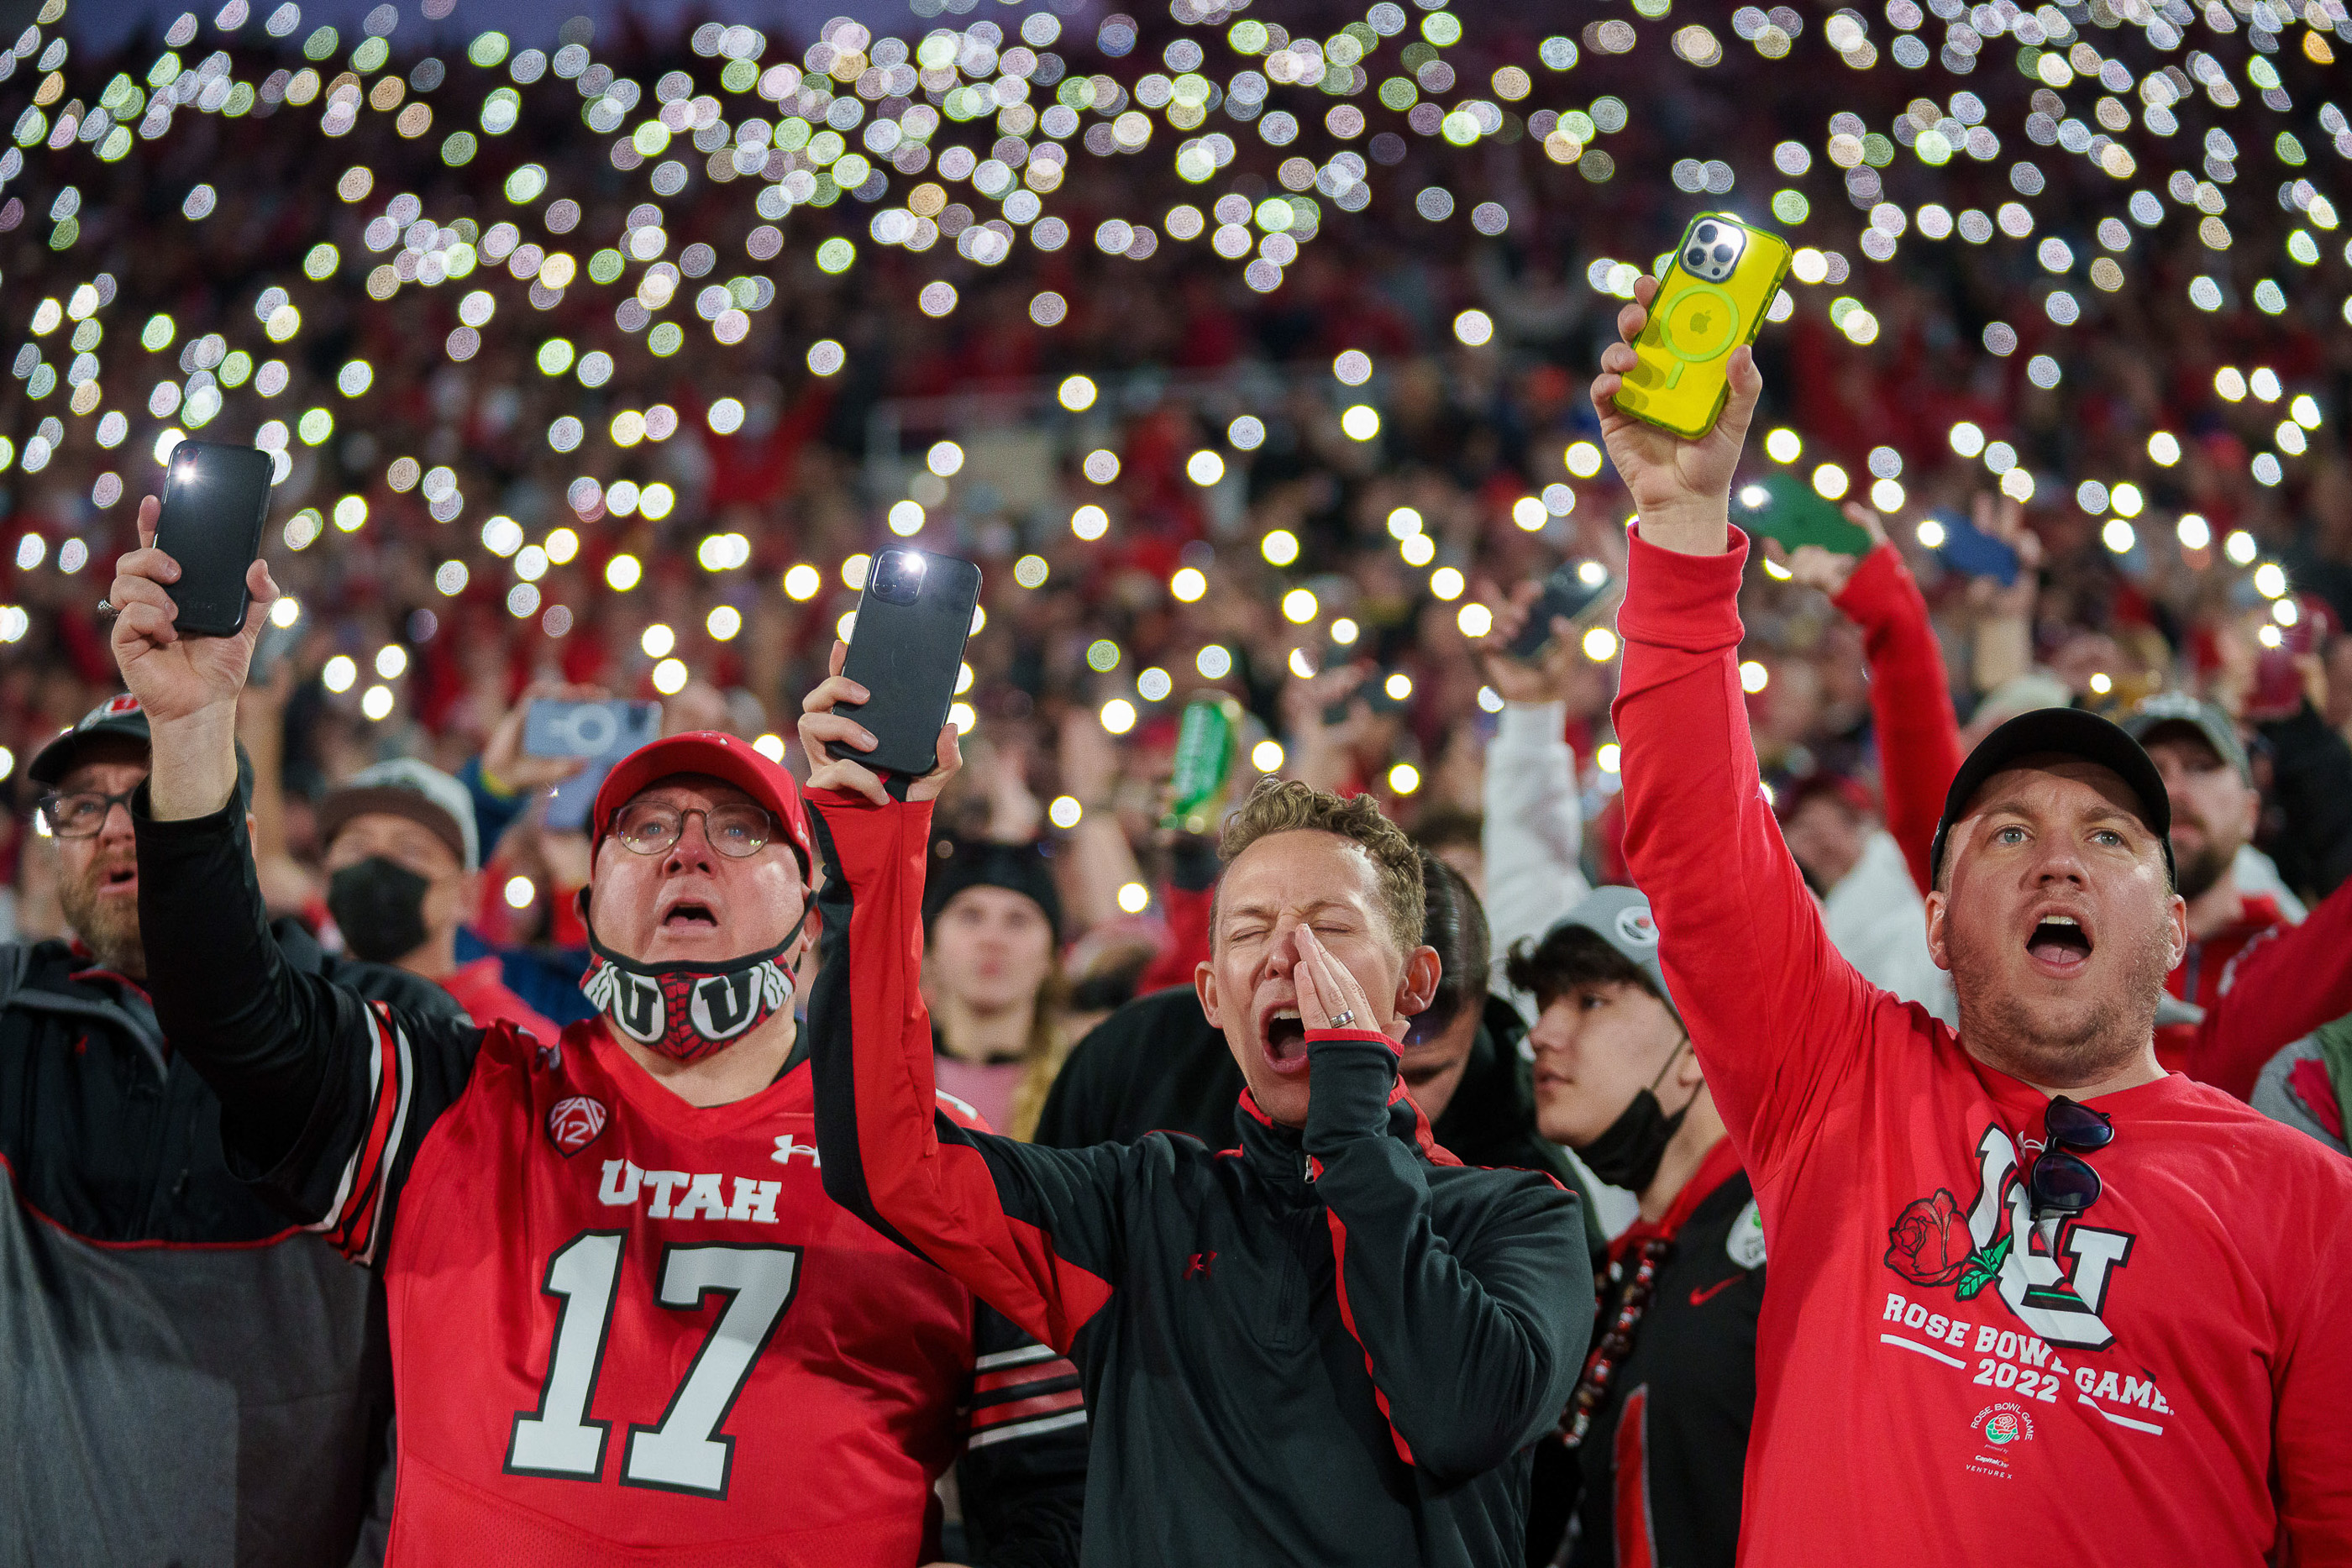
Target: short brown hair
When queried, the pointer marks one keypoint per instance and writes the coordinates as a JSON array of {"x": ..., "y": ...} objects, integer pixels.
[{"x": 1283, "y": 806}]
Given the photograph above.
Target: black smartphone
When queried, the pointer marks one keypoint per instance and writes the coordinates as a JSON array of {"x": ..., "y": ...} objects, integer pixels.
[
  {"x": 906, "y": 648},
  {"x": 1568, "y": 593},
  {"x": 604, "y": 732},
  {"x": 1971, "y": 552},
  {"x": 214, "y": 497}
]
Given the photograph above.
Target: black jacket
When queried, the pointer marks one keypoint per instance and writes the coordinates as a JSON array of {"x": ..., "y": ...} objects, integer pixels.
[
  {"x": 1329, "y": 1346},
  {"x": 1690, "y": 1384},
  {"x": 163, "y": 1330}
]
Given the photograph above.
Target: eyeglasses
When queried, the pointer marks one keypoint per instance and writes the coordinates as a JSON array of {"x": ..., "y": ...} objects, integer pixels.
[
  {"x": 81, "y": 815},
  {"x": 2061, "y": 1182},
  {"x": 737, "y": 831}
]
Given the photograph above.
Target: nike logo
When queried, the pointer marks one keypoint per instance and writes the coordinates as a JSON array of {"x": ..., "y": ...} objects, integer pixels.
[{"x": 1700, "y": 1298}]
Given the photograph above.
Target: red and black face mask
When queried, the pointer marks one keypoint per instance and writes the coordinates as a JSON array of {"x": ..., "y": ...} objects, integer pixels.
[{"x": 688, "y": 1011}]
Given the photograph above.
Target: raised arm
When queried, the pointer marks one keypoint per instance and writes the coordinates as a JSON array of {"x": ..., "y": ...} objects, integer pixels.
[
  {"x": 1532, "y": 836},
  {"x": 1910, "y": 701},
  {"x": 1472, "y": 1339},
  {"x": 1032, "y": 1231},
  {"x": 1776, "y": 1015},
  {"x": 324, "y": 1097}
]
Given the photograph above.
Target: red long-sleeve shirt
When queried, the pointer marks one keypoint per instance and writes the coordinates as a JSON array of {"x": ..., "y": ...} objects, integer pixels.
[
  {"x": 2160, "y": 1379},
  {"x": 1910, "y": 702}
]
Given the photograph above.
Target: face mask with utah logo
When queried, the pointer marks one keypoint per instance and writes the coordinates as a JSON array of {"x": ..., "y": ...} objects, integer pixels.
[{"x": 688, "y": 1011}]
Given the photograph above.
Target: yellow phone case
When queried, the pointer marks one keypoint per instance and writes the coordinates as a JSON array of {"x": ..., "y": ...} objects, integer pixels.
[{"x": 1712, "y": 299}]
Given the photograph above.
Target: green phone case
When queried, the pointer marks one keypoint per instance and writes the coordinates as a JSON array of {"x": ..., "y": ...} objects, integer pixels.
[{"x": 1794, "y": 512}]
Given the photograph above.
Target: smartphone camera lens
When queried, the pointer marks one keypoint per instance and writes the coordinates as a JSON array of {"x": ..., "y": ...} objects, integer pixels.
[
  {"x": 898, "y": 576},
  {"x": 1723, "y": 254},
  {"x": 1696, "y": 257},
  {"x": 1707, "y": 233},
  {"x": 589, "y": 730}
]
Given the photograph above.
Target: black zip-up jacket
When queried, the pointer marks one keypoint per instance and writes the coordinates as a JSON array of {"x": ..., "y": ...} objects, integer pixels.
[
  {"x": 1330, "y": 1346},
  {"x": 184, "y": 1377},
  {"x": 1663, "y": 1463}
]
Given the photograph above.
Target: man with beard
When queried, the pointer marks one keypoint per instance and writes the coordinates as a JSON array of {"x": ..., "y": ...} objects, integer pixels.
[
  {"x": 628, "y": 1325},
  {"x": 2261, "y": 981},
  {"x": 159, "y": 1320},
  {"x": 2029, "y": 1292},
  {"x": 404, "y": 866}
]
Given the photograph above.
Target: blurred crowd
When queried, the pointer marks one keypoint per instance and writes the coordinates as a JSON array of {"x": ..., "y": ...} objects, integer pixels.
[{"x": 1099, "y": 626}]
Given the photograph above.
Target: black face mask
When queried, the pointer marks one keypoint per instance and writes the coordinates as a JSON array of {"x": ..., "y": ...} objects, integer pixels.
[
  {"x": 1629, "y": 1149},
  {"x": 380, "y": 907}
]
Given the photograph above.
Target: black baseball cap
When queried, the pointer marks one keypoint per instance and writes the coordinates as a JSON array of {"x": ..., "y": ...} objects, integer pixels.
[
  {"x": 2065, "y": 732},
  {"x": 118, "y": 716}
]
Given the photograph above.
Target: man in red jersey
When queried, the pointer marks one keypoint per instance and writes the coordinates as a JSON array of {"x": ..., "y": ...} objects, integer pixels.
[
  {"x": 2031, "y": 1296},
  {"x": 627, "y": 1325}
]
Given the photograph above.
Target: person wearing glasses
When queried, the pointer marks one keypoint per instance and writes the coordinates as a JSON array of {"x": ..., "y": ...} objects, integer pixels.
[
  {"x": 626, "y": 1322},
  {"x": 2028, "y": 1291},
  {"x": 147, "y": 1293}
]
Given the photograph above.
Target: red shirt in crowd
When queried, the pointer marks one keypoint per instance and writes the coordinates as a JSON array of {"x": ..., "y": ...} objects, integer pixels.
[
  {"x": 2160, "y": 1379},
  {"x": 480, "y": 988},
  {"x": 2263, "y": 983}
]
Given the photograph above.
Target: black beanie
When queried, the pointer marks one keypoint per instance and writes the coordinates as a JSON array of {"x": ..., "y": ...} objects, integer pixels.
[{"x": 1025, "y": 869}]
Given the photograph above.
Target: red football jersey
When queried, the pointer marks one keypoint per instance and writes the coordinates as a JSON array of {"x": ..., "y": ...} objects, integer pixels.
[{"x": 619, "y": 1321}]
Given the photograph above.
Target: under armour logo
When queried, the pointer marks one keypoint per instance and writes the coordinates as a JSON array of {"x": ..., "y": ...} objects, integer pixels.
[
  {"x": 1197, "y": 1266},
  {"x": 787, "y": 1146}
]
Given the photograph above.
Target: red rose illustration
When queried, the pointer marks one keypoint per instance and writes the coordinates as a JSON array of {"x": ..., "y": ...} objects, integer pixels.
[{"x": 1930, "y": 1244}]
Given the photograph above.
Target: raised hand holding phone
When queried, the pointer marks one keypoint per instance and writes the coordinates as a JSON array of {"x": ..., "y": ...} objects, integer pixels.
[
  {"x": 1830, "y": 570},
  {"x": 834, "y": 740},
  {"x": 175, "y": 673},
  {"x": 188, "y": 685},
  {"x": 1681, "y": 487}
]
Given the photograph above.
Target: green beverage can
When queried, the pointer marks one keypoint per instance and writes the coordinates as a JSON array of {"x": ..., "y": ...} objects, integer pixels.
[{"x": 1205, "y": 745}]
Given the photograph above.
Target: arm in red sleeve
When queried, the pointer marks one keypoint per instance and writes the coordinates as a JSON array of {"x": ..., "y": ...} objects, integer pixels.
[
  {"x": 1777, "y": 1017},
  {"x": 1032, "y": 1231},
  {"x": 2282, "y": 985},
  {"x": 1910, "y": 702}
]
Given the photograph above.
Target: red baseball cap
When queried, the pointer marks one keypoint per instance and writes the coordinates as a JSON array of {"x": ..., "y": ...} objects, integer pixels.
[{"x": 716, "y": 756}]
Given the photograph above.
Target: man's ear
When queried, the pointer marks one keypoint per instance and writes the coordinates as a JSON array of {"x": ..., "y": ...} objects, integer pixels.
[
  {"x": 1937, "y": 905},
  {"x": 2178, "y": 913},
  {"x": 1204, "y": 986},
  {"x": 1417, "y": 986}
]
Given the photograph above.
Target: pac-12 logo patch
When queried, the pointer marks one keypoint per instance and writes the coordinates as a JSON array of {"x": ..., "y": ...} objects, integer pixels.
[{"x": 573, "y": 1123}]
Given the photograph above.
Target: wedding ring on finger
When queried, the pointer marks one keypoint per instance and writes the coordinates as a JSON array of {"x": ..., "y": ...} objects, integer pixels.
[
  {"x": 107, "y": 609},
  {"x": 1343, "y": 1019}
]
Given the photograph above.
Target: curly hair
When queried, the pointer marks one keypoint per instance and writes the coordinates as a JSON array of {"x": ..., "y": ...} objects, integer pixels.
[{"x": 1282, "y": 806}]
